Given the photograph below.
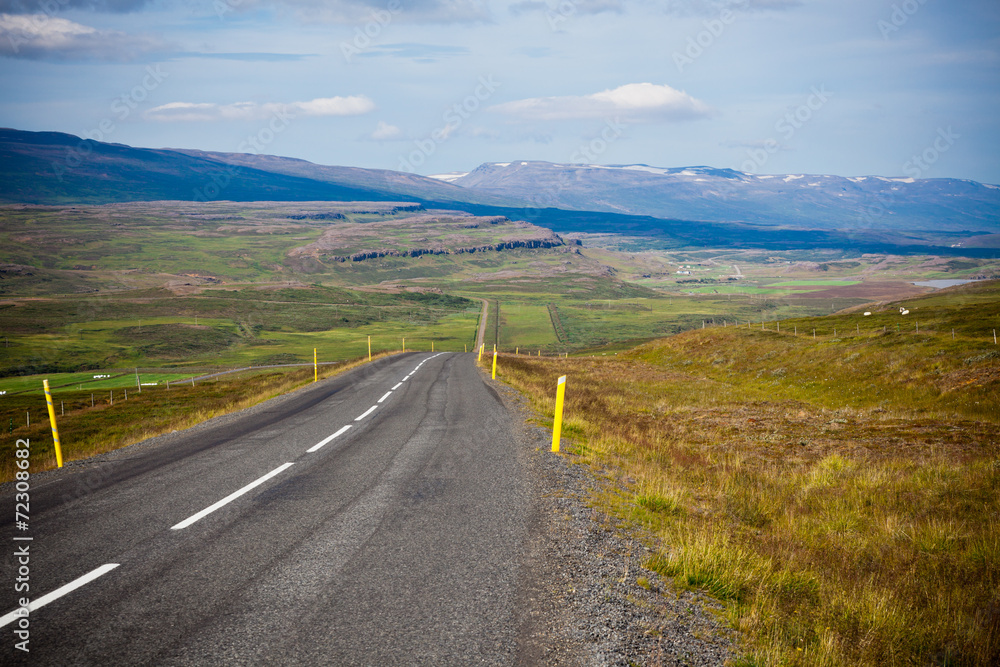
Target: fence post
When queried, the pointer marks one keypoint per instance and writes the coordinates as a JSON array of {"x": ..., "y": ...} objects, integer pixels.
[
  {"x": 557, "y": 422},
  {"x": 52, "y": 419}
]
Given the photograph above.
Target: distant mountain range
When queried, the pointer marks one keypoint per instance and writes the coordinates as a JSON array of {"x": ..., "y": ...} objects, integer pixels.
[
  {"x": 683, "y": 207},
  {"x": 57, "y": 168},
  {"x": 703, "y": 193}
]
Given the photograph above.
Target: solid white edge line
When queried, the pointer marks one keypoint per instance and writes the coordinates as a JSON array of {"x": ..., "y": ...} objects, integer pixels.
[
  {"x": 387, "y": 395},
  {"x": 398, "y": 385},
  {"x": 327, "y": 439},
  {"x": 38, "y": 603},
  {"x": 231, "y": 497},
  {"x": 366, "y": 413}
]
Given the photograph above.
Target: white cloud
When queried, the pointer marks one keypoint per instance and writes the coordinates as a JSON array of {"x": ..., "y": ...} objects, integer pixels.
[
  {"x": 29, "y": 6},
  {"x": 567, "y": 8},
  {"x": 38, "y": 37},
  {"x": 715, "y": 7},
  {"x": 386, "y": 132},
  {"x": 353, "y": 105},
  {"x": 636, "y": 102},
  {"x": 422, "y": 53},
  {"x": 360, "y": 12},
  {"x": 331, "y": 11}
]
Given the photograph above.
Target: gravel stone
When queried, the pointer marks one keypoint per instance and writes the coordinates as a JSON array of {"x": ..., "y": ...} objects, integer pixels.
[{"x": 580, "y": 601}]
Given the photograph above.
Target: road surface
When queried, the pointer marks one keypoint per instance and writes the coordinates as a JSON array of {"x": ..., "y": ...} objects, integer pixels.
[
  {"x": 481, "y": 335},
  {"x": 375, "y": 518}
]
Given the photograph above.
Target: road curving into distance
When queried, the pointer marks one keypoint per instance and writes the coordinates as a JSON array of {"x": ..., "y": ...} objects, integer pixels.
[
  {"x": 481, "y": 334},
  {"x": 378, "y": 517}
]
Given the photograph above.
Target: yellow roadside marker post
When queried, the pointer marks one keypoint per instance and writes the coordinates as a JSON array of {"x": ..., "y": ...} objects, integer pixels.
[
  {"x": 432, "y": 346},
  {"x": 557, "y": 423},
  {"x": 480, "y": 353},
  {"x": 315, "y": 367},
  {"x": 494, "y": 362},
  {"x": 52, "y": 419},
  {"x": 369, "y": 348},
  {"x": 404, "y": 345}
]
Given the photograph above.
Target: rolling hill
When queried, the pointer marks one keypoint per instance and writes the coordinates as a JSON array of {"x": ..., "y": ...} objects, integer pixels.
[
  {"x": 57, "y": 168},
  {"x": 711, "y": 208}
]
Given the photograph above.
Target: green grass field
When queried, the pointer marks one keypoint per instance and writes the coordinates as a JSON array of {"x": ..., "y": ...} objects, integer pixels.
[
  {"x": 90, "y": 381},
  {"x": 814, "y": 283},
  {"x": 527, "y": 326},
  {"x": 249, "y": 327},
  {"x": 526, "y": 320}
]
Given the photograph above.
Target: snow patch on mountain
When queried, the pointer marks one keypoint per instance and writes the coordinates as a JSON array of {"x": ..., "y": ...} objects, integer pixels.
[
  {"x": 450, "y": 177},
  {"x": 812, "y": 201}
]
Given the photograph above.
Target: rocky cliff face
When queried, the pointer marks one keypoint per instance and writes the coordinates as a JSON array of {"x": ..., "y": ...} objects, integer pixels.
[
  {"x": 432, "y": 233},
  {"x": 553, "y": 242}
]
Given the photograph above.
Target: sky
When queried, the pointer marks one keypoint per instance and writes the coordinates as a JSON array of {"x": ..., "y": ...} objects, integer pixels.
[{"x": 894, "y": 88}]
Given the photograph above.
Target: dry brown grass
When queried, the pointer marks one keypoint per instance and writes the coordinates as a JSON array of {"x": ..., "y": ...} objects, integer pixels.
[{"x": 855, "y": 521}]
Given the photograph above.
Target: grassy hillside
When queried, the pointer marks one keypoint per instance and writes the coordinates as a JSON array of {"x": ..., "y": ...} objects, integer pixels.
[
  {"x": 56, "y": 168},
  {"x": 233, "y": 284},
  {"x": 840, "y": 495},
  {"x": 57, "y": 250},
  {"x": 155, "y": 328}
]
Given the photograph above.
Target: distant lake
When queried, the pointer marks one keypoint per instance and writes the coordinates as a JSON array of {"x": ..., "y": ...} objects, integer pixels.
[{"x": 941, "y": 284}]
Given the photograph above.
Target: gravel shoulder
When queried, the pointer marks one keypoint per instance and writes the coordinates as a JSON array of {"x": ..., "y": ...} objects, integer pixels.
[{"x": 580, "y": 602}]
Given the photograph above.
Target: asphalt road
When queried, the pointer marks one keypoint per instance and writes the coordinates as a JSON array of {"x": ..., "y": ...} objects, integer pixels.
[
  {"x": 481, "y": 334},
  {"x": 398, "y": 541}
]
